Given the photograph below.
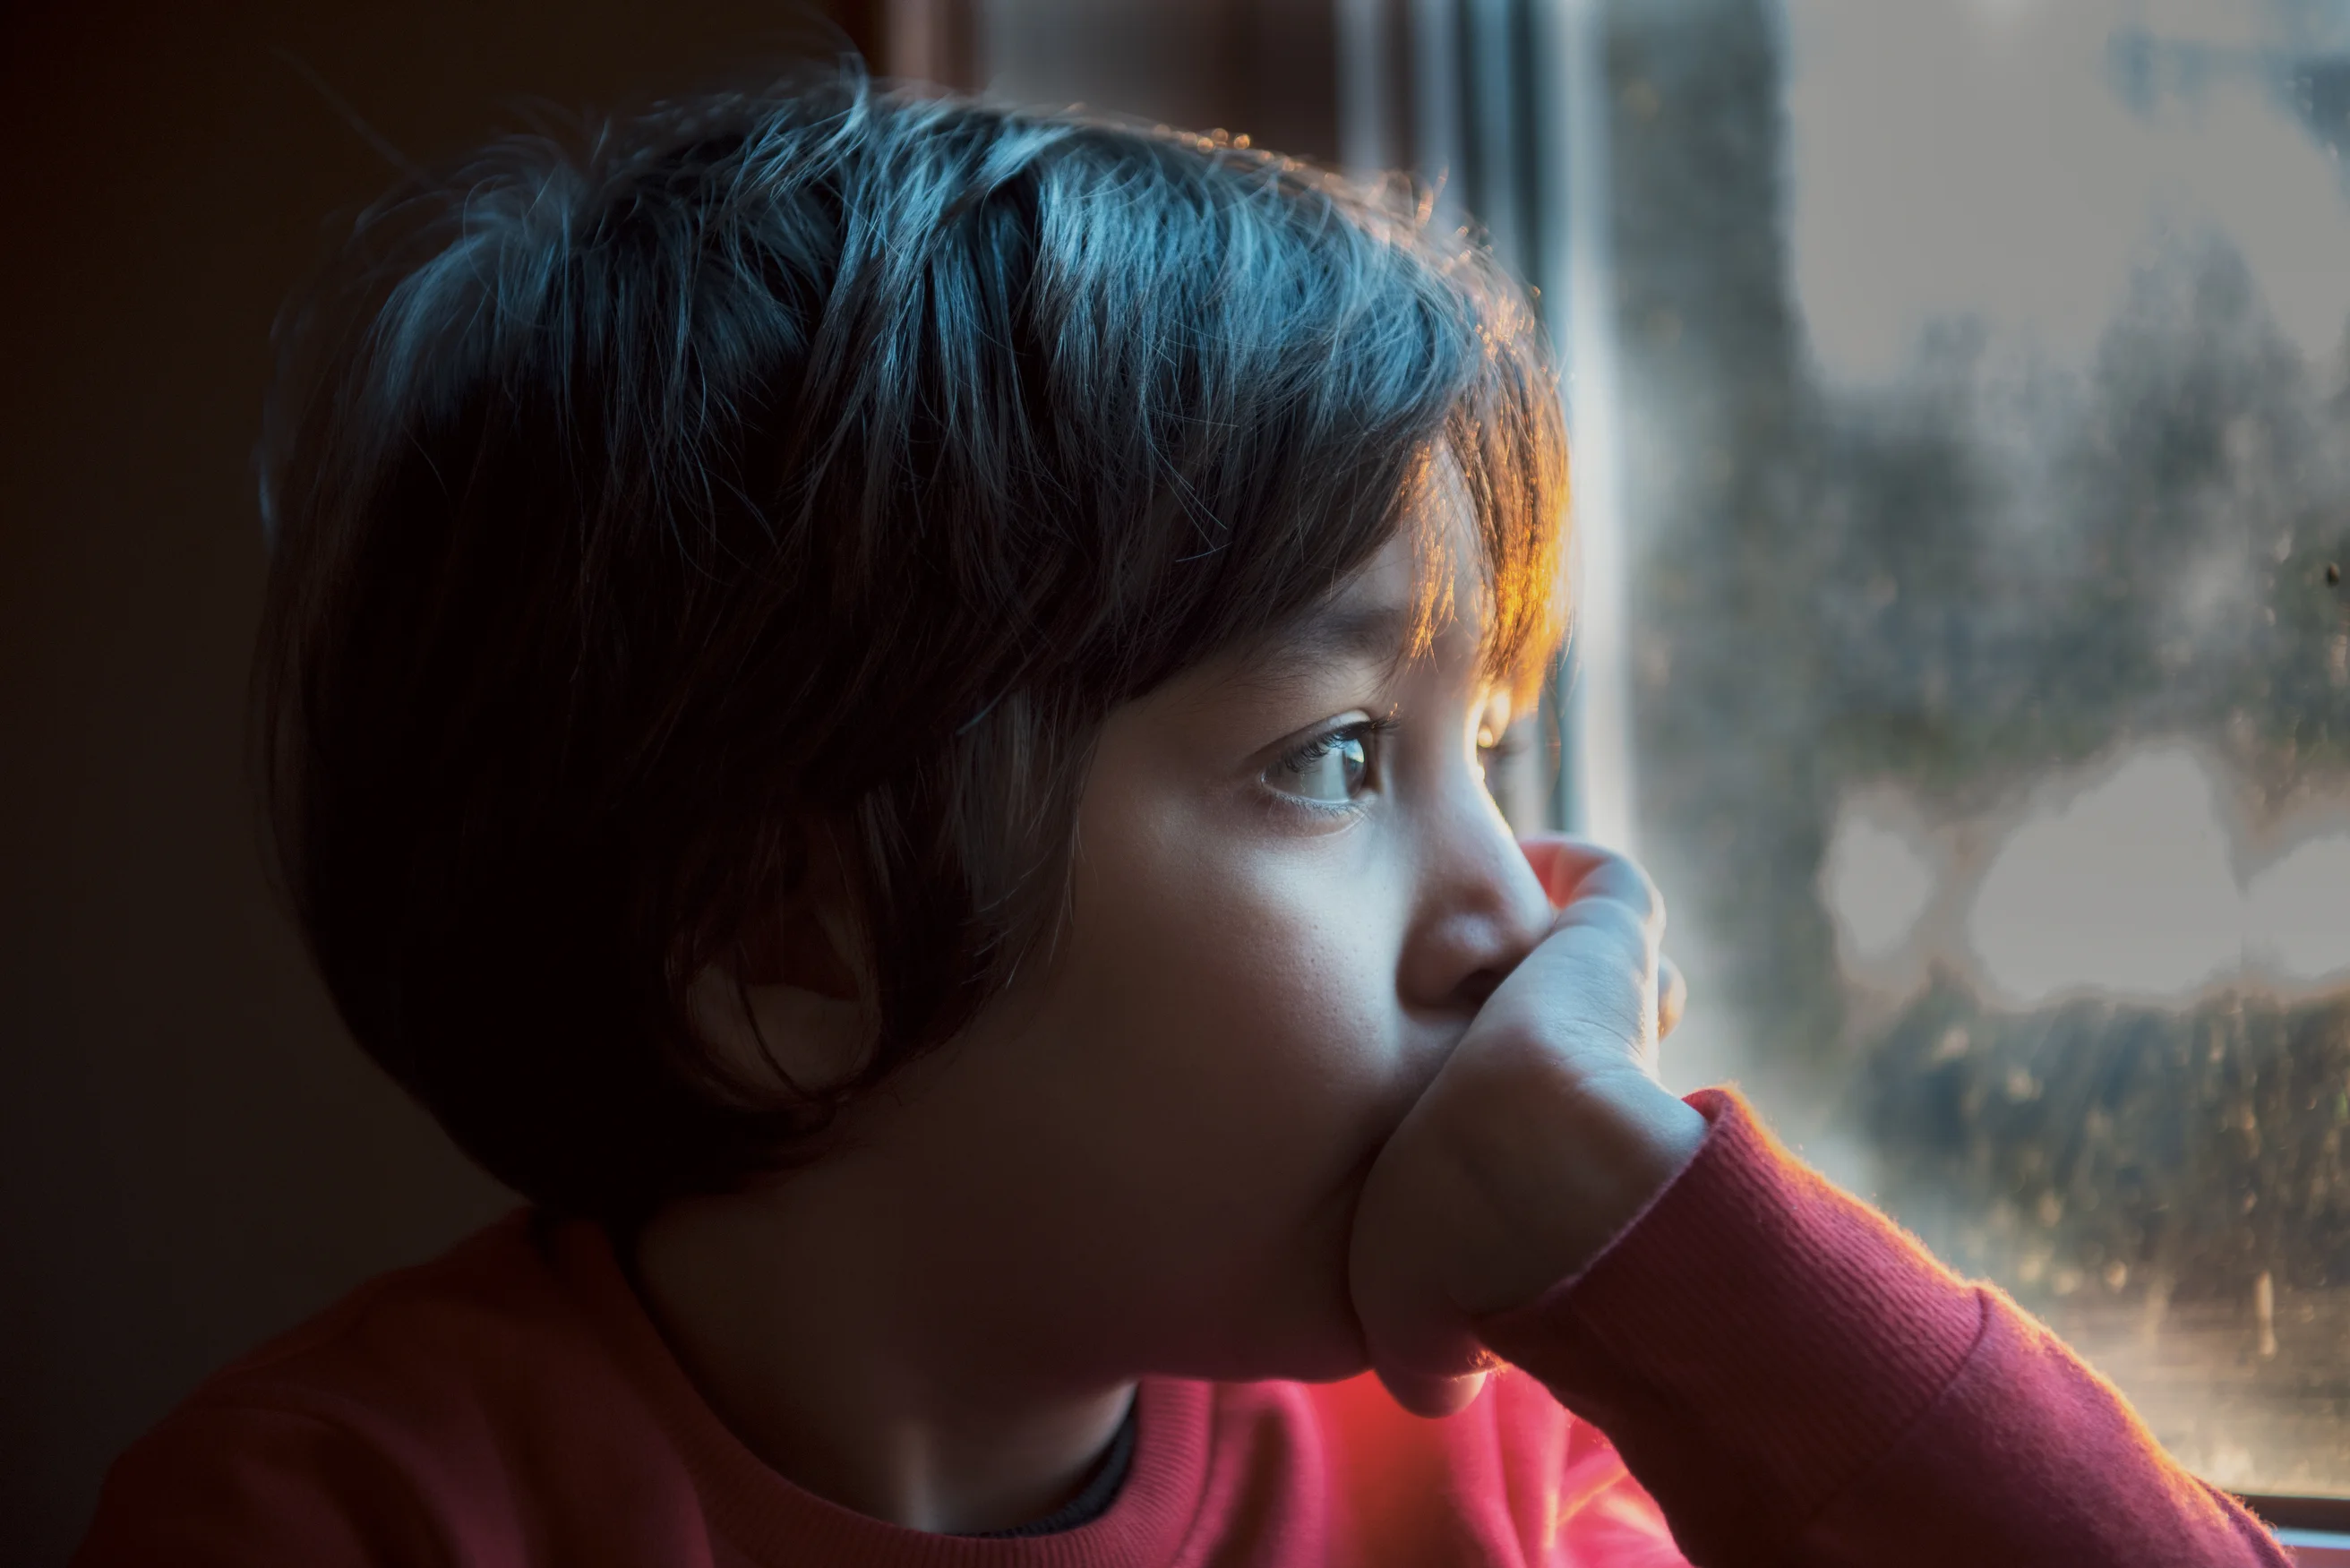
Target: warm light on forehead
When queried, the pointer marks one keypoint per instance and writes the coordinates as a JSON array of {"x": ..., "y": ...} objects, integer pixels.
[
  {"x": 1431, "y": 586},
  {"x": 1459, "y": 587}
]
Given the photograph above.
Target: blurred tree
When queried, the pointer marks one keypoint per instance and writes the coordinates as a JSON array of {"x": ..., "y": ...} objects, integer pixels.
[{"x": 1989, "y": 568}]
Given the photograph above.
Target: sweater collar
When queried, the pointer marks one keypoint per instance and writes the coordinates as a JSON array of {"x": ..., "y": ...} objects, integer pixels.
[{"x": 772, "y": 1520}]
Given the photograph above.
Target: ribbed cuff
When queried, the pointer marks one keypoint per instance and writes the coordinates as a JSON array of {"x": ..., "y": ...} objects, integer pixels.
[{"x": 1752, "y": 1341}]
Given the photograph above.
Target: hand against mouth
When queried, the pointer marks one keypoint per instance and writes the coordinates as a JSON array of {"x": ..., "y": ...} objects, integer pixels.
[{"x": 1543, "y": 1136}]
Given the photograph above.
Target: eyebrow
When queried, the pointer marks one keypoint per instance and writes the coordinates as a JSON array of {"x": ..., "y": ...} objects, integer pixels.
[
  {"x": 1339, "y": 632},
  {"x": 1335, "y": 633}
]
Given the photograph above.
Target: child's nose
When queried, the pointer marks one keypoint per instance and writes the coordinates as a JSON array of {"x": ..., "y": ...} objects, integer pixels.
[{"x": 1481, "y": 909}]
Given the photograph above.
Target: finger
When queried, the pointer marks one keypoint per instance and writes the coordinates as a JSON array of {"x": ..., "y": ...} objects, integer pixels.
[
  {"x": 1574, "y": 870},
  {"x": 1560, "y": 861},
  {"x": 1672, "y": 996}
]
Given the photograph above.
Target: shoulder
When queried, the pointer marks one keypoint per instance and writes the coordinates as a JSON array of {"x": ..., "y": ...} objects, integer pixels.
[
  {"x": 220, "y": 1484},
  {"x": 371, "y": 1433},
  {"x": 434, "y": 1356}
]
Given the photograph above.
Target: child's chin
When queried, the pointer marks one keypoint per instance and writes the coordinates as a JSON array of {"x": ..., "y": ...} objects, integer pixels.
[{"x": 1320, "y": 1347}]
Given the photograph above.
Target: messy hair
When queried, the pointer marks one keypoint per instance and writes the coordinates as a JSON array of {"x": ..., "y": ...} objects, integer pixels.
[{"x": 824, "y": 460}]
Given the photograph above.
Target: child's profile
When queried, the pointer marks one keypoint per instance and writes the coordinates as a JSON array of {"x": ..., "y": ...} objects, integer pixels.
[{"x": 877, "y": 701}]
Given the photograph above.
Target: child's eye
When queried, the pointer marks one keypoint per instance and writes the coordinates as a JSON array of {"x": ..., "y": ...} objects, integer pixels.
[{"x": 1333, "y": 768}]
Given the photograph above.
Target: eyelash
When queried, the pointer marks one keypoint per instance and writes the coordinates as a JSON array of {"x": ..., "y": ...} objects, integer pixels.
[{"x": 1315, "y": 747}]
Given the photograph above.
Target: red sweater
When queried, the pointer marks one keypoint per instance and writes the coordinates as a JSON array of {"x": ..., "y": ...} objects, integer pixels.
[{"x": 1790, "y": 1379}]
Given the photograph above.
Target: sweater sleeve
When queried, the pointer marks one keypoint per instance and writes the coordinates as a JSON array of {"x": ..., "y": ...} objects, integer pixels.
[{"x": 1797, "y": 1382}]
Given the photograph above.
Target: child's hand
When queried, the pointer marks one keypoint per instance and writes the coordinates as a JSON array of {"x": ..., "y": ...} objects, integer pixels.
[{"x": 1543, "y": 1134}]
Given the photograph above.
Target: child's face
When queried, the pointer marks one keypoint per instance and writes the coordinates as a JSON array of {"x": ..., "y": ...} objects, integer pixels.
[{"x": 1145, "y": 1156}]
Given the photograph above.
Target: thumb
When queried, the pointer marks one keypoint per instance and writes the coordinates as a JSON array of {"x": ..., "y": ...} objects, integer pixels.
[
  {"x": 1418, "y": 1342},
  {"x": 1432, "y": 1365},
  {"x": 1434, "y": 1397}
]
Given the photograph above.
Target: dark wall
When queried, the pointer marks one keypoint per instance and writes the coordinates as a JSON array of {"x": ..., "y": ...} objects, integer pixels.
[
  {"x": 192, "y": 1155},
  {"x": 1268, "y": 68}
]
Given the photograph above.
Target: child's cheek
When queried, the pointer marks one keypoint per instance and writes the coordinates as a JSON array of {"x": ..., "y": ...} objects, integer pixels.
[{"x": 1258, "y": 993}]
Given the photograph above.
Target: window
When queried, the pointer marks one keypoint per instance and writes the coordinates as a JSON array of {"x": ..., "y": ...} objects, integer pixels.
[{"x": 1983, "y": 377}]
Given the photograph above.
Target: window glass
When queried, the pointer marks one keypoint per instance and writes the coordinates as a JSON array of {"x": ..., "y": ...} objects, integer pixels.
[{"x": 1986, "y": 385}]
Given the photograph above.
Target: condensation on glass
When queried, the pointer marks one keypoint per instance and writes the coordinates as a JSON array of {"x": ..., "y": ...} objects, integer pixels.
[{"x": 1985, "y": 369}]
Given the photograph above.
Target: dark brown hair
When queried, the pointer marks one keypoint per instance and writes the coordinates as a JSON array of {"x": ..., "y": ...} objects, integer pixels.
[{"x": 819, "y": 459}]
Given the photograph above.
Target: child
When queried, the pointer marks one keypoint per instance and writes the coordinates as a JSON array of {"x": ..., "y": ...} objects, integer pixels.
[{"x": 876, "y": 702}]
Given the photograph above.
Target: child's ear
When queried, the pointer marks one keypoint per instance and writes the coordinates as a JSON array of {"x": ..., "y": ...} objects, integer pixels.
[
  {"x": 787, "y": 999},
  {"x": 795, "y": 945}
]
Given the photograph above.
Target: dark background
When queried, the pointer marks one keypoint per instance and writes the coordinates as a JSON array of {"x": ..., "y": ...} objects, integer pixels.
[{"x": 192, "y": 1154}]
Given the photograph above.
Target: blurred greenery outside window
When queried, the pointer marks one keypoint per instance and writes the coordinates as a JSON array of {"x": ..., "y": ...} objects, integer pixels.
[{"x": 1984, "y": 376}]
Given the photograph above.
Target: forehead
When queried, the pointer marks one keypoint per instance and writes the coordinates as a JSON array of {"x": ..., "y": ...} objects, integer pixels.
[
  {"x": 1424, "y": 587},
  {"x": 1420, "y": 596}
]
